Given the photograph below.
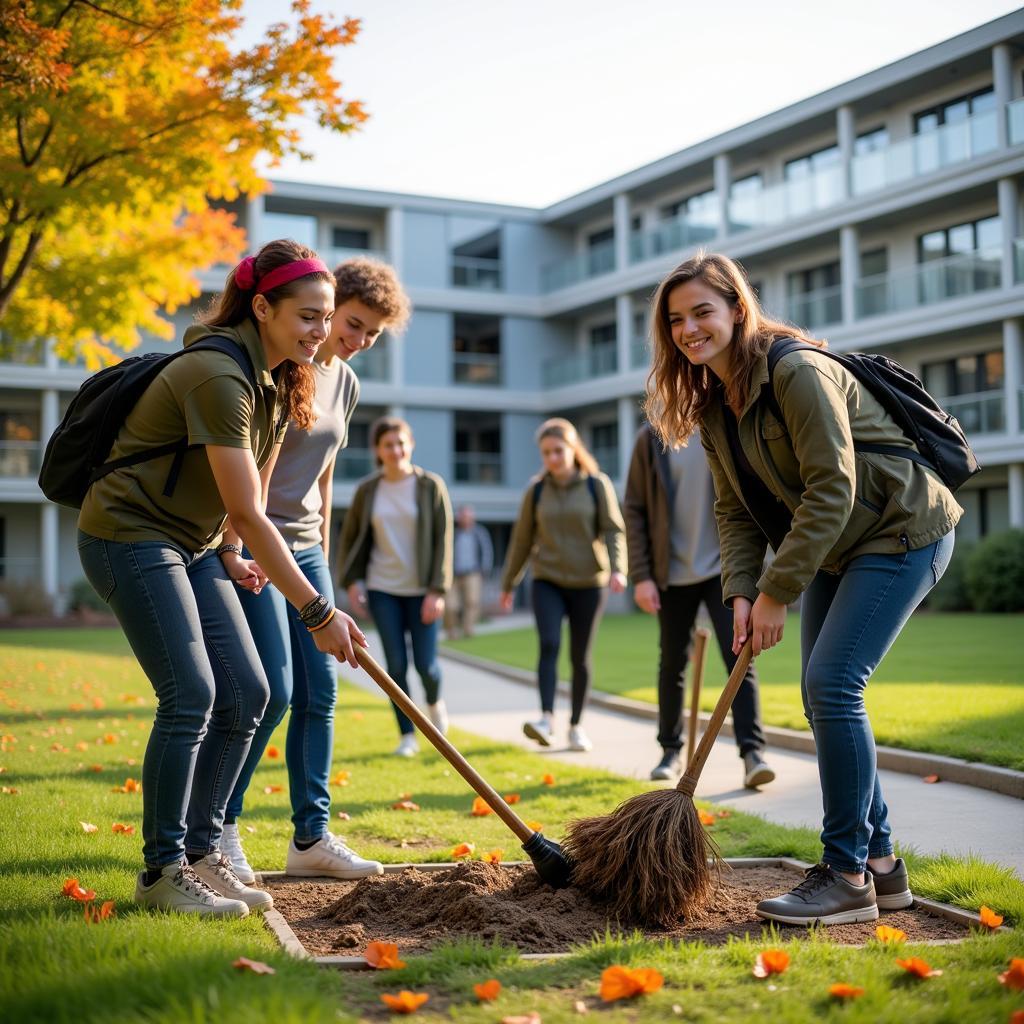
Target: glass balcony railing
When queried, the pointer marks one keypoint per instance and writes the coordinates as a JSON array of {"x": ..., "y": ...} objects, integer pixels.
[
  {"x": 353, "y": 464},
  {"x": 924, "y": 153},
  {"x": 927, "y": 283},
  {"x": 373, "y": 364},
  {"x": 598, "y": 362},
  {"x": 1018, "y": 260},
  {"x": 334, "y": 255},
  {"x": 816, "y": 309},
  {"x": 20, "y": 458},
  {"x": 476, "y": 272},
  {"x": 481, "y": 368},
  {"x": 1015, "y": 121},
  {"x": 597, "y": 260},
  {"x": 640, "y": 354},
  {"x": 669, "y": 236},
  {"x": 607, "y": 459},
  {"x": 478, "y": 467},
  {"x": 980, "y": 413},
  {"x": 788, "y": 200}
]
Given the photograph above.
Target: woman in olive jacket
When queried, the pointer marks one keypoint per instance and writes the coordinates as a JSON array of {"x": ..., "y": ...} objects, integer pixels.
[{"x": 862, "y": 536}]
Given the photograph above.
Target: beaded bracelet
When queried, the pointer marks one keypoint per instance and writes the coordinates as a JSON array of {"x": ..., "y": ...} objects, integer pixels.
[
  {"x": 313, "y": 613},
  {"x": 327, "y": 620}
]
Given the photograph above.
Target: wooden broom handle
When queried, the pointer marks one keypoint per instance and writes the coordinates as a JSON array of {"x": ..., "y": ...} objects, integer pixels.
[
  {"x": 700, "y": 653},
  {"x": 490, "y": 795},
  {"x": 688, "y": 783}
]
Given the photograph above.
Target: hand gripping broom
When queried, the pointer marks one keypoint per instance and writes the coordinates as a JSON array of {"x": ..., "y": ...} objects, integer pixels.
[
  {"x": 651, "y": 859},
  {"x": 548, "y": 859}
]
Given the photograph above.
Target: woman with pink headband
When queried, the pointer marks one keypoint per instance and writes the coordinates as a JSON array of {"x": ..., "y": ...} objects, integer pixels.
[{"x": 150, "y": 542}]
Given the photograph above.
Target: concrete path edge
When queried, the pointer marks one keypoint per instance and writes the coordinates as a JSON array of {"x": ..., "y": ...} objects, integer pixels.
[{"x": 911, "y": 762}]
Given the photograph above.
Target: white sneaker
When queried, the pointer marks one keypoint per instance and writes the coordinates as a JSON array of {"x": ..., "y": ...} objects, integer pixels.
[
  {"x": 330, "y": 857},
  {"x": 438, "y": 714},
  {"x": 540, "y": 731},
  {"x": 231, "y": 847},
  {"x": 215, "y": 870},
  {"x": 408, "y": 745},
  {"x": 181, "y": 890},
  {"x": 578, "y": 739}
]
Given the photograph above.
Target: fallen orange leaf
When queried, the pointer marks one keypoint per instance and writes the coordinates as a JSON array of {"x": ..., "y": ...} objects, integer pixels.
[
  {"x": 487, "y": 990},
  {"x": 9, "y": 790},
  {"x": 512, "y": 798},
  {"x": 548, "y": 779},
  {"x": 890, "y": 936},
  {"x": 358, "y": 715},
  {"x": 706, "y": 818},
  {"x": 405, "y": 1001},
  {"x": 87, "y": 826},
  {"x": 344, "y": 815},
  {"x": 481, "y": 808},
  {"x": 916, "y": 966},
  {"x": 463, "y": 850},
  {"x": 243, "y": 963},
  {"x": 76, "y": 892},
  {"x": 110, "y": 738},
  {"x": 405, "y": 805},
  {"x": 723, "y": 814},
  {"x": 95, "y": 767},
  {"x": 130, "y": 786},
  {"x": 340, "y": 779},
  {"x": 989, "y": 918},
  {"x": 94, "y": 914},
  {"x": 618, "y": 982},
  {"x": 1014, "y": 977},
  {"x": 272, "y": 789},
  {"x": 931, "y": 779},
  {"x": 840, "y": 990},
  {"x": 273, "y": 752},
  {"x": 81, "y": 745},
  {"x": 493, "y": 857},
  {"x": 770, "y": 961},
  {"x": 383, "y": 956},
  {"x": 119, "y": 828},
  {"x": 535, "y": 825}
]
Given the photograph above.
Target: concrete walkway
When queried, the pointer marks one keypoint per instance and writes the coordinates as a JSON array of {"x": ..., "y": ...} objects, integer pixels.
[{"x": 930, "y": 818}]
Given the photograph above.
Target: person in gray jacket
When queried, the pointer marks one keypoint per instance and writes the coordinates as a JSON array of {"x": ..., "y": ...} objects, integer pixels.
[{"x": 674, "y": 565}]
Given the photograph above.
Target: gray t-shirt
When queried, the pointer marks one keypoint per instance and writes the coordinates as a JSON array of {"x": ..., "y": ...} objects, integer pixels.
[
  {"x": 294, "y": 504},
  {"x": 695, "y": 554}
]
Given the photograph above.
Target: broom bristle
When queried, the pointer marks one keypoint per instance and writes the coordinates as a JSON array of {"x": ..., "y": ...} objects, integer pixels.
[{"x": 648, "y": 859}]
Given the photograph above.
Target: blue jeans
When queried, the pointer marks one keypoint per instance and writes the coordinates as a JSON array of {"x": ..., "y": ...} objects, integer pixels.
[
  {"x": 181, "y": 615},
  {"x": 394, "y": 616},
  {"x": 848, "y": 623},
  {"x": 305, "y": 678}
]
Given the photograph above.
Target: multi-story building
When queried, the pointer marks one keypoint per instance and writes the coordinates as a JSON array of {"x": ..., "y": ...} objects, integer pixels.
[{"x": 883, "y": 214}]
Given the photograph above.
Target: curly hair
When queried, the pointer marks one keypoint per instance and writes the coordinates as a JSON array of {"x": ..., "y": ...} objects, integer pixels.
[{"x": 376, "y": 286}]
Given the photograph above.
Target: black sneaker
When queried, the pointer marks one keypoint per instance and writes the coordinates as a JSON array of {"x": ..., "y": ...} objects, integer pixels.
[
  {"x": 823, "y": 896},
  {"x": 755, "y": 771},
  {"x": 892, "y": 890},
  {"x": 667, "y": 767}
]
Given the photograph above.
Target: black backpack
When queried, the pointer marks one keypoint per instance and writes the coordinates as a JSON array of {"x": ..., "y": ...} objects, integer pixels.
[
  {"x": 76, "y": 452},
  {"x": 941, "y": 442}
]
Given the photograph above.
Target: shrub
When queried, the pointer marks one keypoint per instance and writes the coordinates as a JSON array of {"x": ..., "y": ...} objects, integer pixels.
[
  {"x": 950, "y": 593},
  {"x": 26, "y": 597},
  {"x": 994, "y": 574},
  {"x": 81, "y": 595}
]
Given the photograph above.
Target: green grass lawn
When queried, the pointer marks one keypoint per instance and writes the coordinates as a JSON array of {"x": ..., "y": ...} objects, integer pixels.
[
  {"x": 952, "y": 684},
  {"x": 74, "y": 699}
]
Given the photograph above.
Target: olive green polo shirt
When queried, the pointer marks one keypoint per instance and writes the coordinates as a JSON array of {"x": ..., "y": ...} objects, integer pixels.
[{"x": 206, "y": 398}]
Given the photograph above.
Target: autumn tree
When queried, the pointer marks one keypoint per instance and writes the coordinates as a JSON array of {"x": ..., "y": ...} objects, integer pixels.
[{"x": 121, "y": 122}]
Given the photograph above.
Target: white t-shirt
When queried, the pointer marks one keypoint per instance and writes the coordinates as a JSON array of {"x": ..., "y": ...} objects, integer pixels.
[{"x": 392, "y": 566}]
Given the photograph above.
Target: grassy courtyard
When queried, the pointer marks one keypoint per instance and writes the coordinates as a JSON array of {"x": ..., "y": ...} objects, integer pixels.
[
  {"x": 75, "y": 713},
  {"x": 952, "y": 684}
]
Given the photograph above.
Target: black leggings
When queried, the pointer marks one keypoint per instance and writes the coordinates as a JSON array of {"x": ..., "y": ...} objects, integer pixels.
[{"x": 583, "y": 606}]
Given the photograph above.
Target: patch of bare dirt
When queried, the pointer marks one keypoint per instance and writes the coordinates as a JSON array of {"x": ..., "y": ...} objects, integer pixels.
[{"x": 421, "y": 909}]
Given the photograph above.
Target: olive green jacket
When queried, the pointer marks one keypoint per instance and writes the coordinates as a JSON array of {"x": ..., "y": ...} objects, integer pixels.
[{"x": 843, "y": 503}]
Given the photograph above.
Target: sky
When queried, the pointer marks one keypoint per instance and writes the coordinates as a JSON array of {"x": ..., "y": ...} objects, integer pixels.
[{"x": 529, "y": 102}]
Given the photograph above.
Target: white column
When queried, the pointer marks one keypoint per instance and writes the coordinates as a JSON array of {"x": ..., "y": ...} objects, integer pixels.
[
  {"x": 1002, "y": 83},
  {"x": 49, "y": 532},
  {"x": 846, "y": 134},
  {"x": 253, "y": 223},
  {"x": 623, "y": 332},
  {"x": 849, "y": 271},
  {"x": 1013, "y": 375},
  {"x": 393, "y": 227},
  {"x": 621, "y": 216},
  {"x": 627, "y": 428},
  {"x": 1008, "y": 194},
  {"x": 723, "y": 180},
  {"x": 1016, "y": 482}
]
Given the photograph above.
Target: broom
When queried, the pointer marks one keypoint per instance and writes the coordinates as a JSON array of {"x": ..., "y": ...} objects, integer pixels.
[
  {"x": 548, "y": 859},
  {"x": 700, "y": 653},
  {"x": 651, "y": 858}
]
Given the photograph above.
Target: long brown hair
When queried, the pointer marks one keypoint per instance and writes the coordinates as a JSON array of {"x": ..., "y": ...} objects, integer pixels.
[
  {"x": 234, "y": 305},
  {"x": 566, "y": 433},
  {"x": 678, "y": 392}
]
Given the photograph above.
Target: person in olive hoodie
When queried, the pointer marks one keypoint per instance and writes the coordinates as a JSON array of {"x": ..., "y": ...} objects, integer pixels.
[
  {"x": 862, "y": 536},
  {"x": 396, "y": 562},
  {"x": 675, "y": 565},
  {"x": 570, "y": 531}
]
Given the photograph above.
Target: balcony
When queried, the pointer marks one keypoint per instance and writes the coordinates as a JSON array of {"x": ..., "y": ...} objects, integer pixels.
[
  {"x": 816, "y": 309},
  {"x": 598, "y": 362},
  {"x": 373, "y": 364},
  {"x": 477, "y": 368},
  {"x": 787, "y": 201},
  {"x": 980, "y": 413},
  {"x": 607, "y": 460},
  {"x": 669, "y": 236},
  {"x": 480, "y": 272},
  {"x": 333, "y": 256},
  {"x": 1018, "y": 260},
  {"x": 640, "y": 354},
  {"x": 924, "y": 153},
  {"x": 20, "y": 458},
  {"x": 1015, "y": 121},
  {"x": 928, "y": 283},
  {"x": 478, "y": 467},
  {"x": 597, "y": 260},
  {"x": 353, "y": 464}
]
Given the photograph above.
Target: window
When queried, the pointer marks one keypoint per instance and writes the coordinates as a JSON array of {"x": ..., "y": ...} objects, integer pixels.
[
  {"x": 953, "y": 111},
  {"x": 874, "y": 261},
  {"x": 813, "y": 295},
  {"x": 298, "y": 227},
  {"x": 960, "y": 239},
  {"x": 350, "y": 238},
  {"x": 605, "y": 236},
  {"x": 873, "y": 288},
  {"x": 971, "y": 388},
  {"x": 477, "y": 263},
  {"x": 742, "y": 188},
  {"x": 871, "y": 141},
  {"x": 478, "y": 448},
  {"x": 355, "y": 460},
  {"x": 699, "y": 210},
  {"x": 19, "y": 442},
  {"x": 604, "y": 446},
  {"x": 603, "y": 354},
  {"x": 811, "y": 164},
  {"x": 959, "y": 260},
  {"x": 476, "y": 350}
]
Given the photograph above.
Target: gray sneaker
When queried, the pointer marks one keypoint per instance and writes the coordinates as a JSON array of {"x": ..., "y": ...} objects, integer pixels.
[
  {"x": 823, "y": 896},
  {"x": 667, "y": 768},
  {"x": 755, "y": 771},
  {"x": 892, "y": 890}
]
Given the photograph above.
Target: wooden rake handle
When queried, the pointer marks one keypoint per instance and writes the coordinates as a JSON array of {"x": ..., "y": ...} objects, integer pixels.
[
  {"x": 700, "y": 654},
  {"x": 492, "y": 797},
  {"x": 688, "y": 783}
]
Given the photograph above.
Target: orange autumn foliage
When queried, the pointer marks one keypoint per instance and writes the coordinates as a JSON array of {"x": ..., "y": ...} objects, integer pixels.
[
  {"x": 770, "y": 961},
  {"x": 480, "y": 808},
  {"x": 618, "y": 982},
  {"x": 273, "y": 752},
  {"x": 493, "y": 856},
  {"x": 119, "y": 828},
  {"x": 487, "y": 990},
  {"x": 916, "y": 966},
  {"x": 535, "y": 825},
  {"x": 840, "y": 990},
  {"x": 130, "y": 786},
  {"x": 94, "y": 914},
  {"x": 512, "y": 798},
  {"x": 706, "y": 818},
  {"x": 931, "y": 779},
  {"x": 383, "y": 956},
  {"x": 548, "y": 779},
  {"x": 989, "y": 918},
  {"x": 405, "y": 805},
  {"x": 1017, "y": 1017},
  {"x": 890, "y": 936},
  {"x": 341, "y": 778},
  {"x": 1014, "y": 977},
  {"x": 272, "y": 789},
  {"x": 463, "y": 850},
  {"x": 405, "y": 1001},
  {"x": 76, "y": 892},
  {"x": 243, "y": 963}
]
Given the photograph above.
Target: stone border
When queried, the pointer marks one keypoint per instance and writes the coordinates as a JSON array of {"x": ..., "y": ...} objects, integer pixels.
[
  {"x": 290, "y": 943},
  {"x": 912, "y": 762}
]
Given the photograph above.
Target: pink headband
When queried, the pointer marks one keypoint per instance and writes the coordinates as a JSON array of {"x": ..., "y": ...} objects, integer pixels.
[{"x": 245, "y": 273}]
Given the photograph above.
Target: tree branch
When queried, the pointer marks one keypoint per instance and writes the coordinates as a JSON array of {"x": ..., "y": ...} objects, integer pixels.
[{"x": 8, "y": 287}]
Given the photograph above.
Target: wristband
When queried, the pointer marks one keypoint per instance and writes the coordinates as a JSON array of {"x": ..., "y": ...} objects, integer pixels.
[
  {"x": 327, "y": 619},
  {"x": 233, "y": 548},
  {"x": 313, "y": 613}
]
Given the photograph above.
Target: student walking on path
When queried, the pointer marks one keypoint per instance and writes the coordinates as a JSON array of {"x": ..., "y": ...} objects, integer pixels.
[
  {"x": 367, "y": 299},
  {"x": 151, "y": 548},
  {"x": 675, "y": 564},
  {"x": 396, "y": 561},
  {"x": 473, "y": 560},
  {"x": 863, "y": 536},
  {"x": 569, "y": 531}
]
